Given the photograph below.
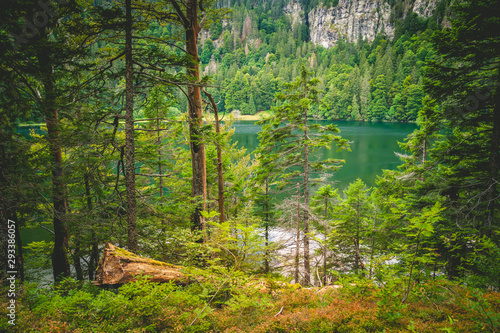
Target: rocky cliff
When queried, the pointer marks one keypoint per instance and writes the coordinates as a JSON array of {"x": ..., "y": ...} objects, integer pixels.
[{"x": 351, "y": 19}]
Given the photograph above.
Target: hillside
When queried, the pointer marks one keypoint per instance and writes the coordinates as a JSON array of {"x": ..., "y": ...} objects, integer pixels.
[{"x": 369, "y": 55}]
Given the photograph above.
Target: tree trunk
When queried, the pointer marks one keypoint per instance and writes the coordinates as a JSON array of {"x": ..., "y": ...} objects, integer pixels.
[
  {"x": 266, "y": 219},
  {"x": 220, "y": 174},
  {"x": 373, "y": 242},
  {"x": 76, "y": 259},
  {"x": 356, "y": 240},
  {"x": 60, "y": 261},
  {"x": 94, "y": 254},
  {"x": 129, "y": 133},
  {"x": 324, "y": 246},
  {"x": 297, "y": 250},
  {"x": 94, "y": 257},
  {"x": 160, "y": 171},
  {"x": 408, "y": 287},
  {"x": 307, "y": 265},
  {"x": 198, "y": 162},
  {"x": 118, "y": 266}
]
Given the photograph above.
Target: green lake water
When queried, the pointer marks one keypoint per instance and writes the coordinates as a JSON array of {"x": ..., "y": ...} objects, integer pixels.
[{"x": 372, "y": 147}]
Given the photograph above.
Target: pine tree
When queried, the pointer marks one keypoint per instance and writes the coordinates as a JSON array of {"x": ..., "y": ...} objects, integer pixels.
[
  {"x": 47, "y": 59},
  {"x": 379, "y": 106},
  {"x": 323, "y": 204},
  {"x": 466, "y": 77},
  {"x": 351, "y": 225},
  {"x": 288, "y": 140}
]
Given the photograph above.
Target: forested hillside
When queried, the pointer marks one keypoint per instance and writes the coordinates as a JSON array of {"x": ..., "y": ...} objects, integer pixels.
[
  {"x": 371, "y": 79},
  {"x": 117, "y": 132}
]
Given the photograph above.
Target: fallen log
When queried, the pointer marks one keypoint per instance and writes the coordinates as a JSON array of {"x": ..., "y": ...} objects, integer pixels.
[{"x": 118, "y": 266}]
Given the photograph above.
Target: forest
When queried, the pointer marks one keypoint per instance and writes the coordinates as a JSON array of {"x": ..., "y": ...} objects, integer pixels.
[{"x": 117, "y": 125}]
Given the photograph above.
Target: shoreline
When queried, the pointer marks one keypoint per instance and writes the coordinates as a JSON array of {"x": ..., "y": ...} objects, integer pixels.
[{"x": 245, "y": 117}]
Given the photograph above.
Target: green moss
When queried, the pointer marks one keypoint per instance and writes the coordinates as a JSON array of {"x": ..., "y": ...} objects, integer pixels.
[{"x": 134, "y": 257}]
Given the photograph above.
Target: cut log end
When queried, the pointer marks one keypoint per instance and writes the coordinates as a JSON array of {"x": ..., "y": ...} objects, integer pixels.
[{"x": 118, "y": 266}]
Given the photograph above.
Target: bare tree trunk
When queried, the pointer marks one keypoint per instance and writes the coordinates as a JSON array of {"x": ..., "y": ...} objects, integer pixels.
[
  {"x": 324, "y": 246},
  {"x": 76, "y": 259},
  {"x": 94, "y": 254},
  {"x": 60, "y": 261},
  {"x": 297, "y": 249},
  {"x": 160, "y": 166},
  {"x": 356, "y": 240},
  {"x": 158, "y": 140},
  {"x": 307, "y": 265},
  {"x": 266, "y": 217},
  {"x": 94, "y": 257},
  {"x": 129, "y": 133},
  {"x": 358, "y": 257},
  {"x": 408, "y": 287},
  {"x": 373, "y": 243},
  {"x": 220, "y": 175}
]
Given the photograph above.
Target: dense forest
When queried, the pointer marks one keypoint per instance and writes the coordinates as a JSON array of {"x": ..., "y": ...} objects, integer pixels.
[
  {"x": 130, "y": 106},
  {"x": 379, "y": 80}
]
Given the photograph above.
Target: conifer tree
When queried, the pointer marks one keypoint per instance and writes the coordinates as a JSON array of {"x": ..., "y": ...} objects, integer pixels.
[
  {"x": 288, "y": 140},
  {"x": 466, "y": 77},
  {"x": 43, "y": 64},
  {"x": 351, "y": 224}
]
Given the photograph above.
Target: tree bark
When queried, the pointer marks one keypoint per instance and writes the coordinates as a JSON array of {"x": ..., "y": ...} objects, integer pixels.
[
  {"x": 197, "y": 146},
  {"x": 324, "y": 246},
  {"x": 373, "y": 242},
  {"x": 118, "y": 266},
  {"x": 356, "y": 240},
  {"x": 60, "y": 261},
  {"x": 297, "y": 250},
  {"x": 94, "y": 254},
  {"x": 307, "y": 265},
  {"x": 160, "y": 171},
  {"x": 266, "y": 219},
  {"x": 94, "y": 257},
  {"x": 76, "y": 259},
  {"x": 408, "y": 287},
  {"x": 220, "y": 174},
  {"x": 129, "y": 133}
]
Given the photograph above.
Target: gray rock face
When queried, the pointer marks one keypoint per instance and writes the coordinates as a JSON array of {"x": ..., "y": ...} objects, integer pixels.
[
  {"x": 424, "y": 8},
  {"x": 351, "y": 19},
  {"x": 294, "y": 11}
]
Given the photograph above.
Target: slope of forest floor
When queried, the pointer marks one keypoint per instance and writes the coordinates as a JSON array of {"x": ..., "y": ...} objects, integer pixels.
[{"x": 227, "y": 302}]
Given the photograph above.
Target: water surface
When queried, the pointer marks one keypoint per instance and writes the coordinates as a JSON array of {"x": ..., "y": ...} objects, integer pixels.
[{"x": 372, "y": 147}]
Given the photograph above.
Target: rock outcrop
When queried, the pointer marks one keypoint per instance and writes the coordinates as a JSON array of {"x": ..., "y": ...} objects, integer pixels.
[
  {"x": 294, "y": 11},
  {"x": 424, "y": 8},
  {"x": 351, "y": 19}
]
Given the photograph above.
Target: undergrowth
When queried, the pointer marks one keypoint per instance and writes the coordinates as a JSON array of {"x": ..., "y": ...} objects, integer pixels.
[{"x": 249, "y": 304}]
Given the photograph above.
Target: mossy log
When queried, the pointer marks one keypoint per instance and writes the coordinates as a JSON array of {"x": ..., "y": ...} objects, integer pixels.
[{"x": 118, "y": 266}]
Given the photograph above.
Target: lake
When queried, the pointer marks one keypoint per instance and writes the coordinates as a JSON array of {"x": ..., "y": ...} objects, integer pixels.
[
  {"x": 372, "y": 150},
  {"x": 372, "y": 147}
]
